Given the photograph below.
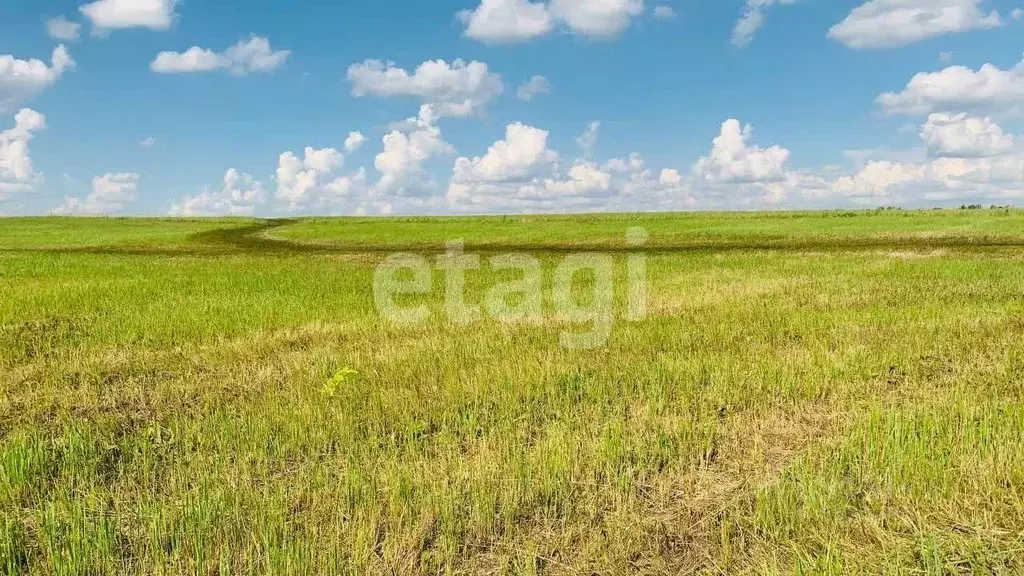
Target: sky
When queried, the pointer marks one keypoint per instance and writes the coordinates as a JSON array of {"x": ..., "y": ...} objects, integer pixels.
[{"x": 273, "y": 108}]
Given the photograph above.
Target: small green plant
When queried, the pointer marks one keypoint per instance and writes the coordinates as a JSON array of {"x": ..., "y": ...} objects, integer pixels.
[{"x": 330, "y": 389}]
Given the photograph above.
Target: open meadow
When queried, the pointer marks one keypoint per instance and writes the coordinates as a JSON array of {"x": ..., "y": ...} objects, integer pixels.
[{"x": 808, "y": 393}]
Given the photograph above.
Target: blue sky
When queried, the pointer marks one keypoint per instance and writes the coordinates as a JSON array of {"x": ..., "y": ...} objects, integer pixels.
[{"x": 797, "y": 104}]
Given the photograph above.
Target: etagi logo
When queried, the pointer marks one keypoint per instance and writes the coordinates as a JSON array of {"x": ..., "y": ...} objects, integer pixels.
[{"x": 520, "y": 300}]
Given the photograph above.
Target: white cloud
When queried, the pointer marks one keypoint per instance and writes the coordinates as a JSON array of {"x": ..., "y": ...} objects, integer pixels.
[
  {"x": 958, "y": 88},
  {"x": 887, "y": 23},
  {"x": 522, "y": 155},
  {"x": 945, "y": 57},
  {"x": 312, "y": 181},
  {"x": 16, "y": 170},
  {"x": 252, "y": 55},
  {"x": 634, "y": 163},
  {"x": 584, "y": 187},
  {"x": 796, "y": 188},
  {"x": 596, "y": 18},
  {"x": 240, "y": 194},
  {"x": 584, "y": 178},
  {"x": 970, "y": 159},
  {"x": 940, "y": 180},
  {"x": 733, "y": 160},
  {"x": 195, "y": 59},
  {"x": 664, "y": 13},
  {"x": 347, "y": 186},
  {"x": 752, "y": 20},
  {"x": 960, "y": 135},
  {"x": 533, "y": 87},
  {"x": 400, "y": 164},
  {"x": 147, "y": 142},
  {"x": 60, "y": 28},
  {"x": 877, "y": 177},
  {"x": 967, "y": 161},
  {"x": 520, "y": 173},
  {"x": 354, "y": 141},
  {"x": 298, "y": 177},
  {"x": 670, "y": 177},
  {"x": 116, "y": 14},
  {"x": 255, "y": 55},
  {"x": 588, "y": 140},
  {"x": 21, "y": 80},
  {"x": 458, "y": 89},
  {"x": 1017, "y": 13},
  {"x": 498, "y": 21},
  {"x": 110, "y": 193},
  {"x": 639, "y": 186},
  {"x": 507, "y": 21}
]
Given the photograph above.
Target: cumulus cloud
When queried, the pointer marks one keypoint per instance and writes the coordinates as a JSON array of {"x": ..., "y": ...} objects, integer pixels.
[
  {"x": 634, "y": 163},
  {"x": 60, "y": 28},
  {"x": 523, "y": 154},
  {"x": 16, "y": 170},
  {"x": 406, "y": 148},
  {"x": 459, "y": 89},
  {"x": 734, "y": 160},
  {"x": 737, "y": 173},
  {"x": 584, "y": 177},
  {"x": 195, "y": 59},
  {"x": 670, "y": 177},
  {"x": 964, "y": 158},
  {"x": 239, "y": 194},
  {"x": 354, "y": 141},
  {"x": 596, "y": 18},
  {"x": 110, "y": 193},
  {"x": 117, "y": 14},
  {"x": 969, "y": 159},
  {"x": 960, "y": 135},
  {"x": 937, "y": 180},
  {"x": 22, "y": 80},
  {"x": 667, "y": 187},
  {"x": 584, "y": 187},
  {"x": 147, "y": 142},
  {"x": 959, "y": 89},
  {"x": 299, "y": 179},
  {"x": 512, "y": 167},
  {"x": 252, "y": 55},
  {"x": 520, "y": 173},
  {"x": 752, "y": 20},
  {"x": 508, "y": 21},
  {"x": 876, "y": 178},
  {"x": 498, "y": 21},
  {"x": 533, "y": 87},
  {"x": 888, "y": 23}
]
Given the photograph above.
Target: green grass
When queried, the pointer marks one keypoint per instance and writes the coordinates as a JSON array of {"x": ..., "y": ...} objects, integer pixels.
[
  {"x": 79, "y": 233},
  {"x": 667, "y": 230},
  {"x": 826, "y": 393}
]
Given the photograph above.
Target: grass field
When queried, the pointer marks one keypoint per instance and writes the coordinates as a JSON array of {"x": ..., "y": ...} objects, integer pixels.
[{"x": 810, "y": 393}]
